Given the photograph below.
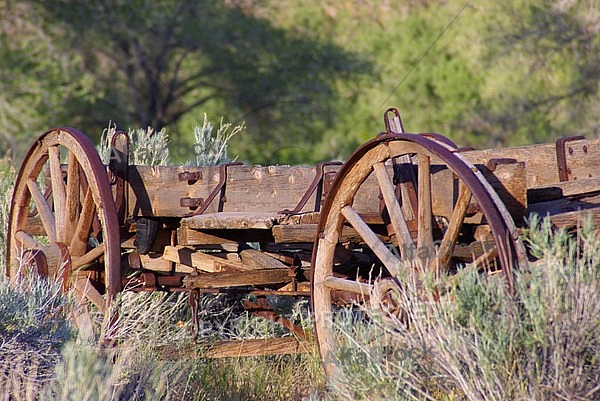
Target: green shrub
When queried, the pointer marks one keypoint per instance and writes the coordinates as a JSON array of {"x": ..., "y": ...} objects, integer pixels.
[
  {"x": 210, "y": 148},
  {"x": 541, "y": 343},
  {"x": 147, "y": 147},
  {"x": 7, "y": 181}
]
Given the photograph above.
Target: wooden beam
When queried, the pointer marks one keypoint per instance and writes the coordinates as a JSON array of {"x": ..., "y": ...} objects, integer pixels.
[
  {"x": 259, "y": 260},
  {"x": 240, "y": 279},
  {"x": 306, "y": 233},
  {"x": 190, "y": 237},
  {"x": 200, "y": 260},
  {"x": 229, "y": 220},
  {"x": 557, "y": 190},
  {"x": 240, "y": 348}
]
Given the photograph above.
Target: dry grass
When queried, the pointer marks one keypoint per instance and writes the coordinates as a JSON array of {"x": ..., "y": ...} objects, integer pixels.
[{"x": 543, "y": 343}]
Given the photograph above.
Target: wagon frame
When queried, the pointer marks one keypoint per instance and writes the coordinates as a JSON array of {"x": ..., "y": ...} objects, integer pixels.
[{"x": 401, "y": 201}]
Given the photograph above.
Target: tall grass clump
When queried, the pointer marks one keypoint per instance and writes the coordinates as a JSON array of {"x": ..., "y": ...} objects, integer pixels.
[
  {"x": 7, "y": 181},
  {"x": 147, "y": 147},
  {"x": 210, "y": 147},
  {"x": 33, "y": 317},
  {"x": 33, "y": 328},
  {"x": 481, "y": 342}
]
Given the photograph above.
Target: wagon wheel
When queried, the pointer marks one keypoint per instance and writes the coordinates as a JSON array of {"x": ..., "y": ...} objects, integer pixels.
[
  {"x": 426, "y": 242},
  {"x": 63, "y": 221}
]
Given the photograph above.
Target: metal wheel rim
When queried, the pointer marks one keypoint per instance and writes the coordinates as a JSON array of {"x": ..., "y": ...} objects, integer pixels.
[
  {"x": 94, "y": 172},
  {"x": 511, "y": 248}
]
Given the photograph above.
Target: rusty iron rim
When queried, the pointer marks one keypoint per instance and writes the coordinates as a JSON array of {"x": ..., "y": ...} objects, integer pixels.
[
  {"x": 510, "y": 247},
  {"x": 94, "y": 172}
]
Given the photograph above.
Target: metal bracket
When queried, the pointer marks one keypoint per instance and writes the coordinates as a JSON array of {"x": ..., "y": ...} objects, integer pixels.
[
  {"x": 191, "y": 177},
  {"x": 318, "y": 182},
  {"x": 564, "y": 172},
  {"x": 394, "y": 126},
  {"x": 202, "y": 204},
  {"x": 494, "y": 162}
]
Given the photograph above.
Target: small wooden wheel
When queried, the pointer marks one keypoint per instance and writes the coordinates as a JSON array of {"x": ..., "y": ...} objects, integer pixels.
[
  {"x": 63, "y": 221},
  {"x": 438, "y": 212}
]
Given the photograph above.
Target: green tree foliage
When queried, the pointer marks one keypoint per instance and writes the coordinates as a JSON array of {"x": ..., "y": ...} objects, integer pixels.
[
  {"x": 156, "y": 61},
  {"x": 310, "y": 79},
  {"x": 543, "y": 60},
  {"x": 35, "y": 78}
]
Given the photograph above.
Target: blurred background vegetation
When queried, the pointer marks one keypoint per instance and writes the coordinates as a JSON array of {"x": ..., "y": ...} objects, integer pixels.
[{"x": 309, "y": 78}]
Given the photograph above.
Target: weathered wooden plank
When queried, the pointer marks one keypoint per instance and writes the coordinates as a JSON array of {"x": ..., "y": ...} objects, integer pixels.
[
  {"x": 240, "y": 348},
  {"x": 562, "y": 189},
  {"x": 156, "y": 190},
  {"x": 582, "y": 158},
  {"x": 155, "y": 262},
  {"x": 299, "y": 233},
  {"x": 259, "y": 260},
  {"x": 189, "y": 237},
  {"x": 540, "y": 161},
  {"x": 233, "y": 220},
  {"x": 576, "y": 218},
  {"x": 510, "y": 183},
  {"x": 202, "y": 261},
  {"x": 240, "y": 279},
  {"x": 569, "y": 212},
  {"x": 541, "y": 165},
  {"x": 270, "y": 188}
]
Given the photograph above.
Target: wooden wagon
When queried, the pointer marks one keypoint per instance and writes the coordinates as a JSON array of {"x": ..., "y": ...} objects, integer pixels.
[{"x": 401, "y": 201}]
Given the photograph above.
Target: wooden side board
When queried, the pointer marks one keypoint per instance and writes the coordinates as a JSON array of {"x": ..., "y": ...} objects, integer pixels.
[
  {"x": 264, "y": 191},
  {"x": 156, "y": 190},
  {"x": 582, "y": 158}
]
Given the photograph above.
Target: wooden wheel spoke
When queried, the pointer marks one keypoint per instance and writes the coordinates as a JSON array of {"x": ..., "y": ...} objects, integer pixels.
[
  {"x": 425, "y": 234},
  {"x": 393, "y": 207},
  {"x": 95, "y": 253},
  {"x": 454, "y": 226},
  {"x": 72, "y": 196},
  {"x": 341, "y": 284},
  {"x": 27, "y": 241},
  {"x": 43, "y": 209},
  {"x": 79, "y": 241},
  {"x": 58, "y": 193},
  {"x": 86, "y": 289},
  {"x": 403, "y": 168},
  {"x": 383, "y": 253}
]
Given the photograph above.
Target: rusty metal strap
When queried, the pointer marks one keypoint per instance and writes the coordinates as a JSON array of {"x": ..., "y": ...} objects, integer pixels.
[
  {"x": 316, "y": 183},
  {"x": 395, "y": 125},
  {"x": 561, "y": 156},
  {"x": 202, "y": 204}
]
